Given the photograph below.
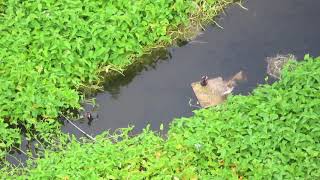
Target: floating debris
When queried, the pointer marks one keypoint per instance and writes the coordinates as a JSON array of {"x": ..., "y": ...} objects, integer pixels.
[
  {"x": 276, "y": 64},
  {"x": 211, "y": 92}
]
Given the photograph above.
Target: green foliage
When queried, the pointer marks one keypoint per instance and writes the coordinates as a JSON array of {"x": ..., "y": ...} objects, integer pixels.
[
  {"x": 49, "y": 49},
  {"x": 8, "y": 137},
  {"x": 272, "y": 134}
]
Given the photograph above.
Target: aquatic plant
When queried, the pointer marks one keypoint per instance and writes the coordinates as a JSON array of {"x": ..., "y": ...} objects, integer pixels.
[
  {"x": 49, "y": 50},
  {"x": 273, "y": 133}
]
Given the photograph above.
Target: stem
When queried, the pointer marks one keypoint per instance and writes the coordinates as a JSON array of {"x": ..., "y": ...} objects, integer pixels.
[{"x": 90, "y": 137}]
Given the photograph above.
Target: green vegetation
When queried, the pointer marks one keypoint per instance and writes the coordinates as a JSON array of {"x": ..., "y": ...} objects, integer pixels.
[
  {"x": 272, "y": 134},
  {"x": 50, "y": 50}
]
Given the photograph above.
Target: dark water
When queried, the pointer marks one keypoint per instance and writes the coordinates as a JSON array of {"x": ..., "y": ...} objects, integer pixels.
[{"x": 159, "y": 93}]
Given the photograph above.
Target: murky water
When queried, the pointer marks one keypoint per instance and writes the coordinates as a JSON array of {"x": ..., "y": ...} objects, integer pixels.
[{"x": 159, "y": 93}]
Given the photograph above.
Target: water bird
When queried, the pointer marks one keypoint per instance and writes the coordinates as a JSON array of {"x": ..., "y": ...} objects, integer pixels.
[
  {"x": 204, "y": 80},
  {"x": 89, "y": 116}
]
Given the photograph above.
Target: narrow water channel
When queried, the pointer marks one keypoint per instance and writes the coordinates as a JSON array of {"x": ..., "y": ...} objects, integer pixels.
[{"x": 160, "y": 92}]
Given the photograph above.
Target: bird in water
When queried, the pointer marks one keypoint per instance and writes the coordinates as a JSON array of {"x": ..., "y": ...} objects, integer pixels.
[
  {"x": 89, "y": 116},
  {"x": 204, "y": 80}
]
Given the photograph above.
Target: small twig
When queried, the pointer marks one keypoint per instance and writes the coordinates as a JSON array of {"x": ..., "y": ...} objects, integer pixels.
[
  {"x": 203, "y": 28},
  {"x": 200, "y": 42},
  {"x": 191, "y": 105},
  {"x": 24, "y": 153},
  {"x": 90, "y": 137},
  {"x": 35, "y": 137},
  {"x": 240, "y": 4},
  {"x": 200, "y": 34},
  {"x": 15, "y": 158},
  {"x": 215, "y": 22}
]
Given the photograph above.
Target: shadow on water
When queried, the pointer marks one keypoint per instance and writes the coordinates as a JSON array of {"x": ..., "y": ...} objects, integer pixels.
[{"x": 159, "y": 90}]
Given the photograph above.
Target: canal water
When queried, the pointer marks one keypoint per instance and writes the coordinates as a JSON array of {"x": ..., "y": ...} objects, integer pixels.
[{"x": 160, "y": 90}]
